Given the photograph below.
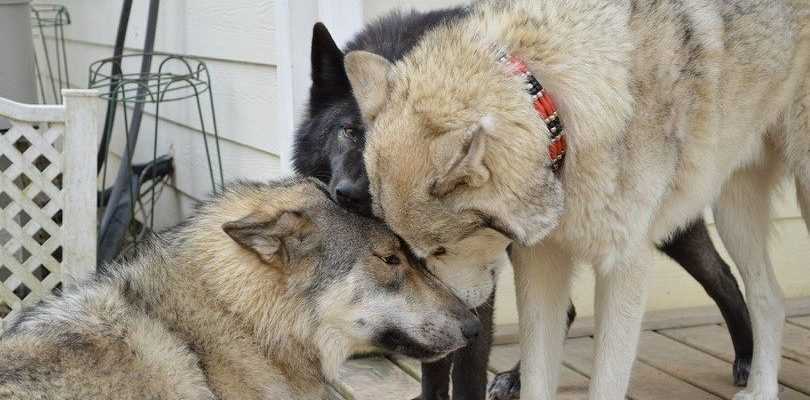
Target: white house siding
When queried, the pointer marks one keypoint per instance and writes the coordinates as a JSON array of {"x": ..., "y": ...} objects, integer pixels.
[
  {"x": 236, "y": 39},
  {"x": 258, "y": 52},
  {"x": 375, "y": 8}
]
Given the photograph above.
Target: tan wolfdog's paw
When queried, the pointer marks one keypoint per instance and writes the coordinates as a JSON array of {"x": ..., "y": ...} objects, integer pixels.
[{"x": 757, "y": 394}]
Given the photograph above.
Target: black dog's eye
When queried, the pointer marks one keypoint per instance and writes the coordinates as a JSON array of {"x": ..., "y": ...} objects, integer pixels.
[
  {"x": 349, "y": 132},
  {"x": 440, "y": 251},
  {"x": 391, "y": 260}
]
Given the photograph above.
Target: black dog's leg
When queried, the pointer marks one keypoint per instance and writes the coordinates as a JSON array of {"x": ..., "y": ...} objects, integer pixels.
[
  {"x": 506, "y": 385},
  {"x": 436, "y": 379},
  {"x": 470, "y": 363},
  {"x": 692, "y": 248},
  {"x": 572, "y": 315}
]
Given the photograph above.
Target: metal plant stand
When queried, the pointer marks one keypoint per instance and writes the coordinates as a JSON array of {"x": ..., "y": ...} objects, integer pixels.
[
  {"x": 128, "y": 202},
  {"x": 50, "y": 19}
]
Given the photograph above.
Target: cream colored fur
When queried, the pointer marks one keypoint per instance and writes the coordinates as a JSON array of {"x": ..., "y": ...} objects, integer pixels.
[
  {"x": 470, "y": 267},
  {"x": 669, "y": 107}
]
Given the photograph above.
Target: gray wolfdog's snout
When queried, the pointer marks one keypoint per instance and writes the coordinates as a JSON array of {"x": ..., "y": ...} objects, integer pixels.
[
  {"x": 447, "y": 338},
  {"x": 434, "y": 323},
  {"x": 435, "y": 337},
  {"x": 464, "y": 326}
]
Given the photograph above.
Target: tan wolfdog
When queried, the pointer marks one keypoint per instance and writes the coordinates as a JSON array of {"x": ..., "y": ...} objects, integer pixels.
[
  {"x": 666, "y": 106},
  {"x": 261, "y": 295}
]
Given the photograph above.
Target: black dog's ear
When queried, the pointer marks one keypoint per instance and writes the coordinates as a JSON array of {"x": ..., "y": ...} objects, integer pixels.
[
  {"x": 328, "y": 73},
  {"x": 276, "y": 238}
]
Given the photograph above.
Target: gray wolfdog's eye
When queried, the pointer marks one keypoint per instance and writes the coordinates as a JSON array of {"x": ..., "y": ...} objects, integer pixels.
[{"x": 390, "y": 260}]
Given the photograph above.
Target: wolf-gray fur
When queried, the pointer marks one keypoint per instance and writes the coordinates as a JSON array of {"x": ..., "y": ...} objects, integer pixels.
[
  {"x": 669, "y": 107},
  {"x": 263, "y": 294}
]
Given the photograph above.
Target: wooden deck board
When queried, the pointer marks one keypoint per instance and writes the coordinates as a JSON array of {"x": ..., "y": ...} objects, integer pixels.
[
  {"x": 804, "y": 322},
  {"x": 714, "y": 340},
  {"x": 646, "y": 383},
  {"x": 409, "y": 365},
  {"x": 695, "y": 366},
  {"x": 332, "y": 394},
  {"x": 375, "y": 378},
  {"x": 504, "y": 357},
  {"x": 796, "y": 344}
]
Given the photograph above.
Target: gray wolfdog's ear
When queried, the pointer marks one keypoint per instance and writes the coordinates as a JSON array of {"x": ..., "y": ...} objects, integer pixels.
[
  {"x": 271, "y": 238},
  {"x": 467, "y": 167},
  {"x": 369, "y": 75}
]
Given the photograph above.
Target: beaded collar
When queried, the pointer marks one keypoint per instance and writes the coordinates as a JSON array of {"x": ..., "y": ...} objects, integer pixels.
[{"x": 544, "y": 106}]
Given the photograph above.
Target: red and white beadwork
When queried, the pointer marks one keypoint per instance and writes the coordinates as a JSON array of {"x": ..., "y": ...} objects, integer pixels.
[{"x": 544, "y": 106}]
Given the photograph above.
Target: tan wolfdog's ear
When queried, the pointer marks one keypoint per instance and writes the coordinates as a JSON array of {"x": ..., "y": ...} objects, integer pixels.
[
  {"x": 271, "y": 238},
  {"x": 468, "y": 167},
  {"x": 368, "y": 74}
]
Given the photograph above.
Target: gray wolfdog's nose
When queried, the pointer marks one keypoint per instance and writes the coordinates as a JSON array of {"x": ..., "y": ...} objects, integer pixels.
[{"x": 471, "y": 328}]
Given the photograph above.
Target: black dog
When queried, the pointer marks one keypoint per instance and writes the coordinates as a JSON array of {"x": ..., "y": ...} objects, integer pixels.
[{"x": 329, "y": 145}]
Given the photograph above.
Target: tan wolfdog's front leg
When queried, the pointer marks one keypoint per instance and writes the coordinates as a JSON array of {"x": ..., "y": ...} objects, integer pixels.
[
  {"x": 742, "y": 214},
  {"x": 621, "y": 290},
  {"x": 543, "y": 284}
]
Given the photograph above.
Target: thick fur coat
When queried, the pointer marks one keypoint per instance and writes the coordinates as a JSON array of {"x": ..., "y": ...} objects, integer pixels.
[
  {"x": 262, "y": 295},
  {"x": 669, "y": 106}
]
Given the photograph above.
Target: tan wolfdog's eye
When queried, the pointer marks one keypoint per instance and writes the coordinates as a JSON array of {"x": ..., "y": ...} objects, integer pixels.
[{"x": 440, "y": 251}]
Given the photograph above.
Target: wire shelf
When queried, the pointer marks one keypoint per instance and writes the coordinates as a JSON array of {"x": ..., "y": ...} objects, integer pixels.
[
  {"x": 50, "y": 56},
  {"x": 49, "y": 15},
  {"x": 177, "y": 78},
  {"x": 129, "y": 200}
]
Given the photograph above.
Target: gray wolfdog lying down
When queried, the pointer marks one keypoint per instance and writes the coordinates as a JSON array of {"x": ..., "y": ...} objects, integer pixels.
[
  {"x": 261, "y": 295},
  {"x": 587, "y": 131}
]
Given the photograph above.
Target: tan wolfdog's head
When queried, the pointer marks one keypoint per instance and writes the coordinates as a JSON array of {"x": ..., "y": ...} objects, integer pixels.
[
  {"x": 454, "y": 148},
  {"x": 306, "y": 271}
]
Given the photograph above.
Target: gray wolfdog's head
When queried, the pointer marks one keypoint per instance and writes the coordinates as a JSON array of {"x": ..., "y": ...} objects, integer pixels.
[
  {"x": 454, "y": 148},
  {"x": 306, "y": 269}
]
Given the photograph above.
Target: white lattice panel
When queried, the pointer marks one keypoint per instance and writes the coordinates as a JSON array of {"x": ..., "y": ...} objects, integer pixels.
[{"x": 47, "y": 198}]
